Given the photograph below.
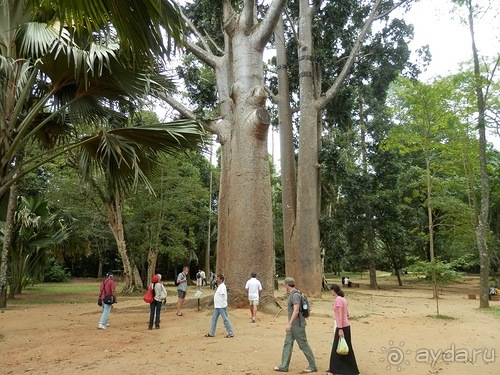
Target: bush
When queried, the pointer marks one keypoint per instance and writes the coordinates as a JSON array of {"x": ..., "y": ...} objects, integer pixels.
[{"x": 57, "y": 274}]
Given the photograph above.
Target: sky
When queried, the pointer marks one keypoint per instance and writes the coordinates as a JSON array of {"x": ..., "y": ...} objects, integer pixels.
[{"x": 438, "y": 25}]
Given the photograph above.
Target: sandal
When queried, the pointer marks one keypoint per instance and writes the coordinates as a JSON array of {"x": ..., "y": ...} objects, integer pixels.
[
  {"x": 208, "y": 335},
  {"x": 229, "y": 335},
  {"x": 179, "y": 314}
]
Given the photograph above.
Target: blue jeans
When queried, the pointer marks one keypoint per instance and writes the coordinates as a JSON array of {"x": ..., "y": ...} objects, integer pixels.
[
  {"x": 222, "y": 312},
  {"x": 155, "y": 307},
  {"x": 105, "y": 314}
]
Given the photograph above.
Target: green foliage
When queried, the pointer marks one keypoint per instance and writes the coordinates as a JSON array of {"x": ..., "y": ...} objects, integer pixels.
[
  {"x": 468, "y": 263},
  {"x": 441, "y": 272},
  {"x": 38, "y": 235},
  {"x": 56, "y": 274},
  {"x": 174, "y": 220}
]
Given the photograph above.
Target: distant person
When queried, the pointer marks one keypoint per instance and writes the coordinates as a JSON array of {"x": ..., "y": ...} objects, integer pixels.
[
  {"x": 254, "y": 288},
  {"x": 199, "y": 280},
  {"x": 341, "y": 364},
  {"x": 212, "y": 280},
  {"x": 324, "y": 283},
  {"x": 160, "y": 296},
  {"x": 220, "y": 308},
  {"x": 181, "y": 289},
  {"x": 347, "y": 282},
  {"x": 107, "y": 288},
  {"x": 203, "y": 277},
  {"x": 295, "y": 330}
]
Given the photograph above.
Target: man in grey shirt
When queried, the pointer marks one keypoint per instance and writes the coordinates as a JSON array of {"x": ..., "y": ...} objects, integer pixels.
[
  {"x": 181, "y": 289},
  {"x": 295, "y": 330}
]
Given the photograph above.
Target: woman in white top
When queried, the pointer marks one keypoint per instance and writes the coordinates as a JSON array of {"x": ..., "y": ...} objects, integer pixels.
[{"x": 160, "y": 296}]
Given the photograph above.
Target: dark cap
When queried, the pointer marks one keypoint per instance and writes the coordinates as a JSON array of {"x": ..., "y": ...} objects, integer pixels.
[{"x": 109, "y": 274}]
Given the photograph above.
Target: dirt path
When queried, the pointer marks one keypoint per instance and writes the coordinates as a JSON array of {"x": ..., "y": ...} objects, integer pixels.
[{"x": 391, "y": 328}]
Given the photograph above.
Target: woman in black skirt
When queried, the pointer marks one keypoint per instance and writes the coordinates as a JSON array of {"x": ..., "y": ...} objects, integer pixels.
[{"x": 341, "y": 364}]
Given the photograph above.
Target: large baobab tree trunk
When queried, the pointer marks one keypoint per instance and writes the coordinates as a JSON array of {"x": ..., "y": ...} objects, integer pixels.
[
  {"x": 245, "y": 226},
  {"x": 245, "y": 242}
]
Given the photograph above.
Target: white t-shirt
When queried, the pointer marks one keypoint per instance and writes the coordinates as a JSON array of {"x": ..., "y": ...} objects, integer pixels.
[
  {"x": 253, "y": 285},
  {"x": 220, "y": 296}
]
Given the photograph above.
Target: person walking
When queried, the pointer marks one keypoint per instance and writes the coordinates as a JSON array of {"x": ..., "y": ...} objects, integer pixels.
[
  {"x": 203, "y": 278},
  {"x": 295, "y": 330},
  {"x": 220, "y": 305},
  {"x": 254, "y": 288},
  {"x": 160, "y": 296},
  {"x": 181, "y": 289},
  {"x": 212, "y": 280},
  {"x": 107, "y": 288},
  {"x": 341, "y": 364}
]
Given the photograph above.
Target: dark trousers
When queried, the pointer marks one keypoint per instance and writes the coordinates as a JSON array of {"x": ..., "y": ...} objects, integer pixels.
[
  {"x": 155, "y": 307},
  {"x": 343, "y": 364}
]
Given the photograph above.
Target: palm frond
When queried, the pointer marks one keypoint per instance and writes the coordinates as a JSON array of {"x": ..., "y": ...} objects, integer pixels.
[
  {"x": 128, "y": 155},
  {"x": 137, "y": 23}
]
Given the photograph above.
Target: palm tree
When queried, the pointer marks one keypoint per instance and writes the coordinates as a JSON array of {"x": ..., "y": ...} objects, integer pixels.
[
  {"x": 38, "y": 234},
  {"x": 67, "y": 65}
]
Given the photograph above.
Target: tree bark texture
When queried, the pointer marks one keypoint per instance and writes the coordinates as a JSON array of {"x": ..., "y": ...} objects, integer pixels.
[
  {"x": 287, "y": 152},
  {"x": 305, "y": 257},
  {"x": 9, "y": 228},
  {"x": 482, "y": 228},
  {"x": 131, "y": 277},
  {"x": 245, "y": 226}
]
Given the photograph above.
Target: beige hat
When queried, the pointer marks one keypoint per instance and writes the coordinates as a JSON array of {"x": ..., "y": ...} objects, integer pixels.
[{"x": 289, "y": 281}]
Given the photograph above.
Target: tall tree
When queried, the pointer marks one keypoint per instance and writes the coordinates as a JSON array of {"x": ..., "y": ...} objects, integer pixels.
[
  {"x": 320, "y": 84},
  {"x": 473, "y": 11},
  {"x": 245, "y": 240}
]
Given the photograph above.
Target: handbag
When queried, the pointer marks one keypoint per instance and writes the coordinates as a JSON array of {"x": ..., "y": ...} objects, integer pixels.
[
  {"x": 148, "y": 297},
  {"x": 109, "y": 300},
  {"x": 342, "y": 347},
  {"x": 99, "y": 301}
]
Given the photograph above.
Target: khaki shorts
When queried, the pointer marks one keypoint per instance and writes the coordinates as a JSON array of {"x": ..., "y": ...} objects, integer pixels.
[{"x": 254, "y": 302}]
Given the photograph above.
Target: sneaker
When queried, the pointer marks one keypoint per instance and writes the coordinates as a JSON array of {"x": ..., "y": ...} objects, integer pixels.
[
  {"x": 311, "y": 369},
  {"x": 101, "y": 326},
  {"x": 107, "y": 324}
]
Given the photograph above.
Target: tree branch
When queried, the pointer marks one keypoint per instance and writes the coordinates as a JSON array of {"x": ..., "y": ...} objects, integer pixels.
[
  {"x": 248, "y": 15},
  {"x": 268, "y": 24},
  {"x": 332, "y": 91},
  {"x": 205, "y": 56},
  {"x": 209, "y": 125},
  {"x": 200, "y": 37}
]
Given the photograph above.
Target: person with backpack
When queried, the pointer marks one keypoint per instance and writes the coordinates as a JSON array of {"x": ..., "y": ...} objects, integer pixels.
[
  {"x": 295, "y": 330},
  {"x": 159, "y": 296},
  {"x": 181, "y": 283},
  {"x": 344, "y": 364}
]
